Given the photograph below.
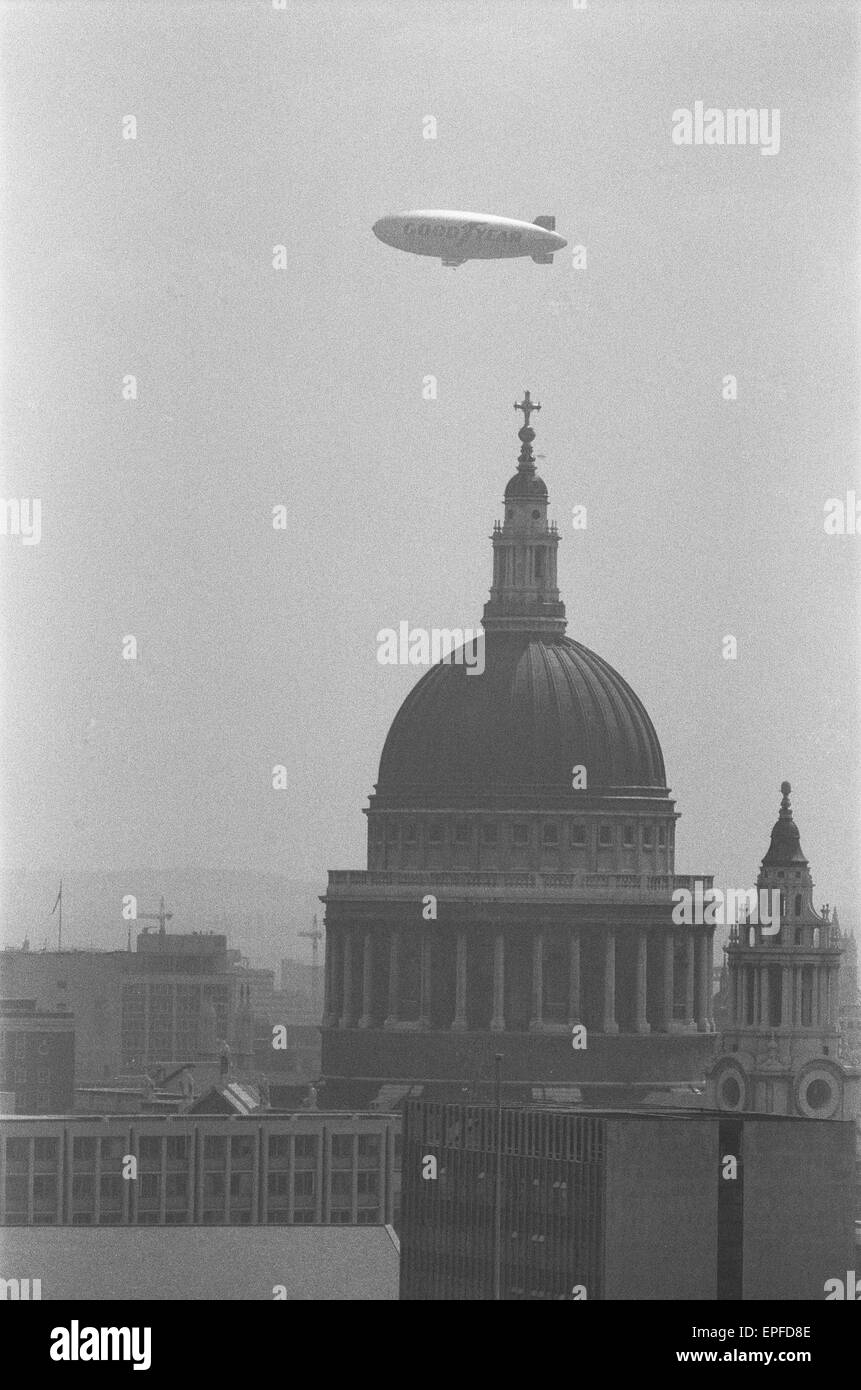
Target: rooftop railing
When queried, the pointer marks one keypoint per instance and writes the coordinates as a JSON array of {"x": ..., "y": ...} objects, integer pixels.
[{"x": 403, "y": 882}]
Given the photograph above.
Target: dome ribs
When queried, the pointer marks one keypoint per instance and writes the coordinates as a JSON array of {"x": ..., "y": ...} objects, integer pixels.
[{"x": 540, "y": 707}]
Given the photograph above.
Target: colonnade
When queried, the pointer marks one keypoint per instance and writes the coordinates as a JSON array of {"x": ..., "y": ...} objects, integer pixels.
[
  {"x": 666, "y": 987},
  {"x": 783, "y": 994}
]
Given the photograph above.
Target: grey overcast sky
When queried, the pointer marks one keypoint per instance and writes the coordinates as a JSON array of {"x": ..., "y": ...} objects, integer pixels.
[{"x": 258, "y": 126}]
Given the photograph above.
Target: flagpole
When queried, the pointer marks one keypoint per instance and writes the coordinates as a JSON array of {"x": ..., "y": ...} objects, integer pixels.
[{"x": 59, "y": 904}]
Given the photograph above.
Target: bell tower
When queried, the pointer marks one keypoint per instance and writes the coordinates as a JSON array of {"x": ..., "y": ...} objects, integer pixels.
[{"x": 780, "y": 1051}]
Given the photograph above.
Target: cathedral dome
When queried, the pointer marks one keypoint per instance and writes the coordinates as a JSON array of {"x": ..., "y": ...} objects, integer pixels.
[
  {"x": 540, "y": 708},
  {"x": 509, "y": 731}
]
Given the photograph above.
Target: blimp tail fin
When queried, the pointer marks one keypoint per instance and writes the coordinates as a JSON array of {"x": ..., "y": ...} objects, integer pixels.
[
  {"x": 545, "y": 221},
  {"x": 545, "y": 258}
]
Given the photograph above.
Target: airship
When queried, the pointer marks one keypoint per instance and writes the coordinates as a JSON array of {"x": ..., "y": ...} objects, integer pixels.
[{"x": 456, "y": 237}]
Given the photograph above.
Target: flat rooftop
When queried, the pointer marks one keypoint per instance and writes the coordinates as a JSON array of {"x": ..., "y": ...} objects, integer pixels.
[{"x": 224, "y": 1263}]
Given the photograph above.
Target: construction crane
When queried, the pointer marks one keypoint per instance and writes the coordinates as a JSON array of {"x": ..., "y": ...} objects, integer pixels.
[
  {"x": 161, "y": 917},
  {"x": 315, "y": 936}
]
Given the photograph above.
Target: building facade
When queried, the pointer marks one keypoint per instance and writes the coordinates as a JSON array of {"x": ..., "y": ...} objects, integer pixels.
[
  {"x": 309, "y": 1168},
  {"x": 597, "y": 1205},
  {"x": 521, "y": 863},
  {"x": 37, "y": 1058},
  {"x": 171, "y": 1000},
  {"x": 781, "y": 1050}
]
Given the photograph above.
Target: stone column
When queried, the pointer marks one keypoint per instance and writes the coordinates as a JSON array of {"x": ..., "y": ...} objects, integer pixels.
[
  {"x": 536, "y": 1023},
  {"x": 608, "y": 1023},
  {"x": 797, "y": 993},
  {"x": 689, "y": 979},
  {"x": 704, "y": 972},
  {"x": 347, "y": 1000},
  {"x": 425, "y": 967},
  {"x": 394, "y": 992},
  {"x": 329, "y": 1019},
  {"x": 786, "y": 1018},
  {"x": 574, "y": 1004},
  {"x": 497, "y": 1022},
  {"x": 669, "y": 982},
  {"x": 763, "y": 996},
  {"x": 641, "y": 1023},
  {"x": 459, "y": 1020},
  {"x": 367, "y": 980}
]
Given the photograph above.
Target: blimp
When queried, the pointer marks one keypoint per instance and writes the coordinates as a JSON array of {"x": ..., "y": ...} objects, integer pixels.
[{"x": 455, "y": 237}]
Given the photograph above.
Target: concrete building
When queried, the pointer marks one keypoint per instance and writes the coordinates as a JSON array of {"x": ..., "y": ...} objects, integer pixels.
[
  {"x": 171, "y": 1000},
  {"x": 520, "y": 864},
  {"x": 307, "y": 1168},
  {"x": 37, "y": 1058},
  {"x": 630, "y": 1206},
  {"x": 86, "y": 983},
  {"x": 781, "y": 1048}
]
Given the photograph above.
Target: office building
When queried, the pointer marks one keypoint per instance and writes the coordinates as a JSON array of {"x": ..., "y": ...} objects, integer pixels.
[
  {"x": 308, "y": 1168},
  {"x": 622, "y": 1205},
  {"x": 37, "y": 1058}
]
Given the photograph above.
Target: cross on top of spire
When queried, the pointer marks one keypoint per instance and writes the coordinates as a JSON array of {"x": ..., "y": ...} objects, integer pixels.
[
  {"x": 527, "y": 405},
  {"x": 526, "y": 433}
]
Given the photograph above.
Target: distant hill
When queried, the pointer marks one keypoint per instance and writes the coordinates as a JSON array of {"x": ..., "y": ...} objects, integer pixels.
[{"x": 260, "y": 913}]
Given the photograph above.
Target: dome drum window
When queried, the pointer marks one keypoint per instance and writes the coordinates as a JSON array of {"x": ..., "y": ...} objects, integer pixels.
[
  {"x": 647, "y": 837},
  {"x": 628, "y": 837},
  {"x": 578, "y": 835},
  {"x": 520, "y": 834},
  {"x": 551, "y": 834},
  {"x": 605, "y": 836},
  {"x": 490, "y": 832}
]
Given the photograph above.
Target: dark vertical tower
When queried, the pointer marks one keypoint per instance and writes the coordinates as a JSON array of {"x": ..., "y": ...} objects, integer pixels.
[{"x": 781, "y": 1044}]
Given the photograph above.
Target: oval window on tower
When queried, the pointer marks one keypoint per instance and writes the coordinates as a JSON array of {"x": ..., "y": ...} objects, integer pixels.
[
  {"x": 818, "y": 1092},
  {"x": 536, "y": 514}
]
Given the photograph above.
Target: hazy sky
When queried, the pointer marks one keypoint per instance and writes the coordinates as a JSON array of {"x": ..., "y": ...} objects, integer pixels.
[{"x": 303, "y": 386}]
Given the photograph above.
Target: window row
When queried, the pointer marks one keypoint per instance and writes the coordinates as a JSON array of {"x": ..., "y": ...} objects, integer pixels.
[
  {"x": 520, "y": 833},
  {"x": 18, "y": 1044},
  {"x": 178, "y": 1148}
]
